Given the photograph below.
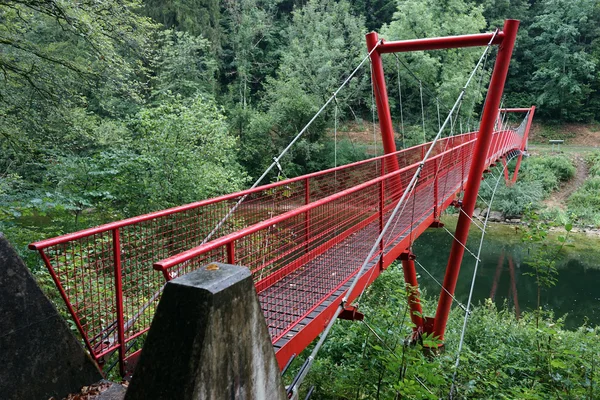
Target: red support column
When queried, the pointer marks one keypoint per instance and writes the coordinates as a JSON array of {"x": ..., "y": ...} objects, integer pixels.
[
  {"x": 116, "y": 237},
  {"x": 383, "y": 107},
  {"x": 412, "y": 287},
  {"x": 306, "y": 215},
  {"x": 482, "y": 145}
]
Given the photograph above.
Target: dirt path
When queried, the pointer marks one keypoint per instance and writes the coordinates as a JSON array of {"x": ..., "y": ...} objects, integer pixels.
[{"x": 559, "y": 198}]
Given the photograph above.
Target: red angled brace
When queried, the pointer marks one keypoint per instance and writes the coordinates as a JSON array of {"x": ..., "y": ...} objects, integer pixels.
[
  {"x": 511, "y": 181},
  {"x": 484, "y": 138}
]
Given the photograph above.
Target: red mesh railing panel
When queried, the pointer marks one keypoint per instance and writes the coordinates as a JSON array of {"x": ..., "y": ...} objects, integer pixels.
[
  {"x": 84, "y": 264},
  {"x": 300, "y": 258}
]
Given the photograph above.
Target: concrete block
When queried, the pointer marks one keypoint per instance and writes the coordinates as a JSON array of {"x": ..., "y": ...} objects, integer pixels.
[
  {"x": 39, "y": 355},
  {"x": 208, "y": 340}
]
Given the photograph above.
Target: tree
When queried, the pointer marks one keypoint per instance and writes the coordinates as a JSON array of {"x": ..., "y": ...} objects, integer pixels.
[
  {"x": 375, "y": 12},
  {"x": 182, "y": 153},
  {"x": 60, "y": 62},
  {"x": 182, "y": 65},
  {"x": 444, "y": 72},
  {"x": 324, "y": 43},
  {"x": 196, "y": 17}
]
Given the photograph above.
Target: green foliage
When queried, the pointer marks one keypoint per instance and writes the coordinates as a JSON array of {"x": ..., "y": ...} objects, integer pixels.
[
  {"x": 593, "y": 160},
  {"x": 513, "y": 201},
  {"x": 533, "y": 357},
  {"x": 324, "y": 42},
  {"x": 445, "y": 71},
  {"x": 562, "y": 32},
  {"x": 585, "y": 201},
  {"x": 550, "y": 171},
  {"x": 183, "y": 65},
  {"x": 538, "y": 177},
  {"x": 197, "y": 17},
  {"x": 185, "y": 154},
  {"x": 542, "y": 252}
]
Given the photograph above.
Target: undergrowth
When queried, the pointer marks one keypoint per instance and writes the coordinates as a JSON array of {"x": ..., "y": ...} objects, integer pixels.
[
  {"x": 538, "y": 178},
  {"x": 585, "y": 201},
  {"x": 503, "y": 357}
]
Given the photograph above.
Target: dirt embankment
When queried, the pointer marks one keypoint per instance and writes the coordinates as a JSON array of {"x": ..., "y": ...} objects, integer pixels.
[{"x": 573, "y": 134}]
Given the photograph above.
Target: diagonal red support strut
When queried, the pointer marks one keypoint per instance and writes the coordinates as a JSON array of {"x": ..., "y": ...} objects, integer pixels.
[
  {"x": 490, "y": 113},
  {"x": 531, "y": 111},
  {"x": 506, "y": 39}
]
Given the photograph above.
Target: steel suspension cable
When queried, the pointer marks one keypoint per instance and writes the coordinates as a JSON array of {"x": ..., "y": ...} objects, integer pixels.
[
  {"x": 411, "y": 186},
  {"x": 289, "y": 146},
  {"x": 335, "y": 126},
  {"x": 437, "y": 105},
  {"x": 422, "y": 111},
  {"x": 478, "y": 91}
]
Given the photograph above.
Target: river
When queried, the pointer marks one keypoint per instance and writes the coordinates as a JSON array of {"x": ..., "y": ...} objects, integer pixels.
[{"x": 502, "y": 273}]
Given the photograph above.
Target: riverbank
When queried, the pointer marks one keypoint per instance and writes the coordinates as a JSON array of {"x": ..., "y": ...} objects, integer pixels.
[{"x": 583, "y": 244}]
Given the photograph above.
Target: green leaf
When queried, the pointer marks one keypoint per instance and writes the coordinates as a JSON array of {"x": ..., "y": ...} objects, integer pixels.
[{"x": 569, "y": 227}]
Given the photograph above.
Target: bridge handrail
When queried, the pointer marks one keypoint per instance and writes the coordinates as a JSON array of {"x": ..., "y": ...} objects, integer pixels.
[
  {"x": 165, "y": 264},
  {"x": 117, "y": 302},
  {"x": 170, "y": 262},
  {"x": 282, "y": 245},
  {"x": 42, "y": 244}
]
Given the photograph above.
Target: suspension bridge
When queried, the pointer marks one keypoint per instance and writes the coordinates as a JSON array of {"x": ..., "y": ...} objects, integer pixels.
[{"x": 313, "y": 243}]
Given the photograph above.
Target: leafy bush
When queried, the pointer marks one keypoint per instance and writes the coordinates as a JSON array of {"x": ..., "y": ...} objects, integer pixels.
[
  {"x": 537, "y": 171},
  {"x": 593, "y": 161},
  {"x": 585, "y": 202},
  {"x": 512, "y": 201},
  {"x": 562, "y": 167},
  {"x": 538, "y": 177},
  {"x": 550, "y": 171}
]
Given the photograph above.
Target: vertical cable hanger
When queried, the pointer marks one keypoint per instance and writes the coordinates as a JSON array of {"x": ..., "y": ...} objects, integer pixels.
[
  {"x": 373, "y": 109},
  {"x": 422, "y": 110},
  {"x": 401, "y": 106},
  {"x": 335, "y": 126},
  {"x": 437, "y": 104}
]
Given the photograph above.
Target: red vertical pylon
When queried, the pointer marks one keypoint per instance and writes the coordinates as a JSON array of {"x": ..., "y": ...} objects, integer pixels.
[{"x": 383, "y": 107}]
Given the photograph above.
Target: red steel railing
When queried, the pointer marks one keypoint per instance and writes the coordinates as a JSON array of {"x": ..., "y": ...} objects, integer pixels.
[
  {"x": 104, "y": 274},
  {"x": 278, "y": 247}
]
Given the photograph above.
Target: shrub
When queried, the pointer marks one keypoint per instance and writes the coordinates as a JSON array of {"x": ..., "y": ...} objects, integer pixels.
[
  {"x": 585, "y": 202},
  {"x": 562, "y": 167},
  {"x": 502, "y": 357},
  {"x": 550, "y": 171},
  {"x": 513, "y": 201},
  {"x": 593, "y": 161},
  {"x": 536, "y": 171}
]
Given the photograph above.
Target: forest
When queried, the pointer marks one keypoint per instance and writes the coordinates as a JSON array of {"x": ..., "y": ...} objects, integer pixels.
[
  {"x": 111, "y": 109},
  {"x": 123, "y": 107}
]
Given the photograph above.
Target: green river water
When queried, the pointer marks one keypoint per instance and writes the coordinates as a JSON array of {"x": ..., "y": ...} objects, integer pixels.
[{"x": 576, "y": 294}]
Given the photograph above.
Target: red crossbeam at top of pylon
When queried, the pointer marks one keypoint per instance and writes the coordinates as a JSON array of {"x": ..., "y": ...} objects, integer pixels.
[{"x": 447, "y": 42}]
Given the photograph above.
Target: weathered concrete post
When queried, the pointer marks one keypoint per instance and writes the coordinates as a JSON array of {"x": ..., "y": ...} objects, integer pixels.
[
  {"x": 208, "y": 340},
  {"x": 39, "y": 357}
]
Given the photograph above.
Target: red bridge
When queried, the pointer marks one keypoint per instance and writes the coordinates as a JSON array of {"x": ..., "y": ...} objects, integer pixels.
[{"x": 304, "y": 239}]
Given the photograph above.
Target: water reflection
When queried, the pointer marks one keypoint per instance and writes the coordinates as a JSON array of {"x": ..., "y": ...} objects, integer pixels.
[{"x": 502, "y": 276}]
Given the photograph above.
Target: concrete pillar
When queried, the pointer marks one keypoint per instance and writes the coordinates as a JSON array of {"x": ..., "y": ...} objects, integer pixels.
[
  {"x": 208, "y": 340},
  {"x": 40, "y": 358}
]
